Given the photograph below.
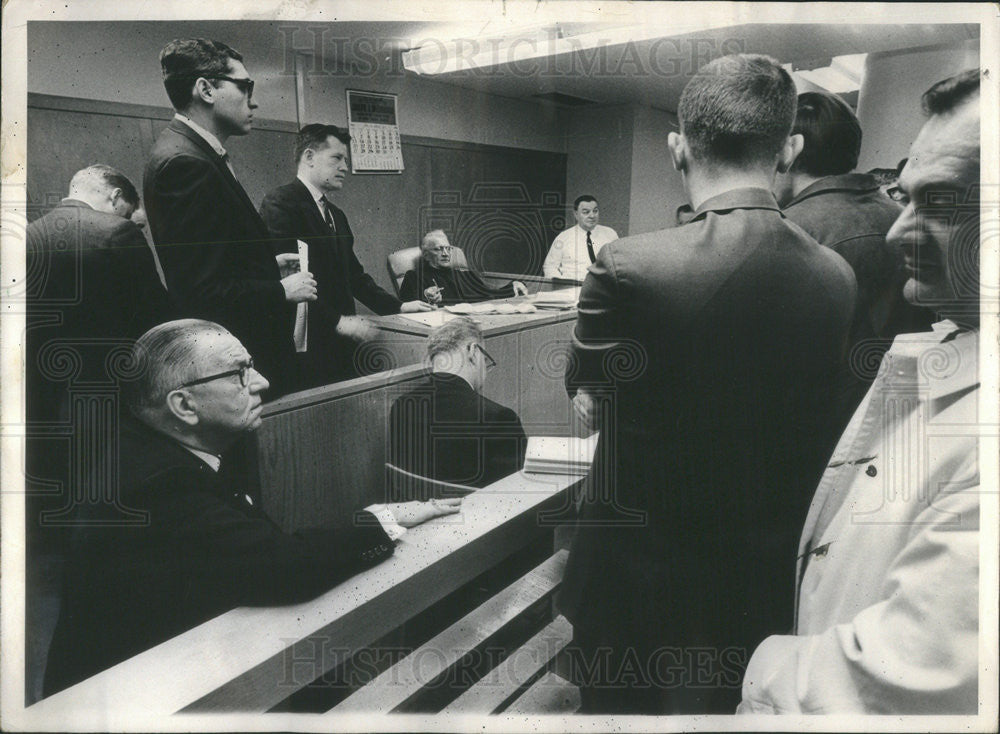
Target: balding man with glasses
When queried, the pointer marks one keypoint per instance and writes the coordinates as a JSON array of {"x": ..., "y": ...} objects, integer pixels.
[
  {"x": 204, "y": 546},
  {"x": 216, "y": 251}
]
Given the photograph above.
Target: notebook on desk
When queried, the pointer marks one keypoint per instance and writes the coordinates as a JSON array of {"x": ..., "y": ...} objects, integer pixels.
[{"x": 559, "y": 454}]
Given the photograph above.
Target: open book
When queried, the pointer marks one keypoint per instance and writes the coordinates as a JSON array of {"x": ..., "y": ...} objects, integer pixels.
[{"x": 559, "y": 454}]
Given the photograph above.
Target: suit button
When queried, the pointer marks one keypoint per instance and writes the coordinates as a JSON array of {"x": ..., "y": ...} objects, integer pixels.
[{"x": 871, "y": 470}]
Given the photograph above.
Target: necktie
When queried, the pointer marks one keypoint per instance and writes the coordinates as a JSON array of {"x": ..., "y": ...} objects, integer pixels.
[
  {"x": 590, "y": 249},
  {"x": 327, "y": 214}
]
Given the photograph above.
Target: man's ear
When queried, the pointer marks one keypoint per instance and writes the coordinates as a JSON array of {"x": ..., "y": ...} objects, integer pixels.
[
  {"x": 204, "y": 90},
  {"x": 789, "y": 152},
  {"x": 185, "y": 409},
  {"x": 677, "y": 144}
]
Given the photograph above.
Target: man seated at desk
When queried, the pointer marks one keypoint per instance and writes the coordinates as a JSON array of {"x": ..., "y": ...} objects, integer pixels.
[
  {"x": 436, "y": 281},
  {"x": 445, "y": 428},
  {"x": 178, "y": 539}
]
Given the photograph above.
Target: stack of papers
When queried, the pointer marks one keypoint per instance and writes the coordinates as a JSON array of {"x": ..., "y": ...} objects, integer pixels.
[
  {"x": 561, "y": 299},
  {"x": 428, "y": 318},
  {"x": 481, "y": 309},
  {"x": 559, "y": 454}
]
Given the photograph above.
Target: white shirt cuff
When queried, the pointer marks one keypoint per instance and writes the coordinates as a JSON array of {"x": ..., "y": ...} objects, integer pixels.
[{"x": 385, "y": 518}]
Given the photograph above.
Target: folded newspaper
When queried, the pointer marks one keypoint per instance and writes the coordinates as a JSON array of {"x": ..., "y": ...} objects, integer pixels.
[{"x": 559, "y": 454}]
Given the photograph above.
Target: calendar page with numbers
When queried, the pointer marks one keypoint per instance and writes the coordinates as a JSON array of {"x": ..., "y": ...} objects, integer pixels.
[{"x": 371, "y": 121}]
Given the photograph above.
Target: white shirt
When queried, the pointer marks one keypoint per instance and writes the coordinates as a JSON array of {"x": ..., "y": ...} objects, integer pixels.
[
  {"x": 317, "y": 196},
  {"x": 888, "y": 598},
  {"x": 207, "y": 137},
  {"x": 568, "y": 257}
]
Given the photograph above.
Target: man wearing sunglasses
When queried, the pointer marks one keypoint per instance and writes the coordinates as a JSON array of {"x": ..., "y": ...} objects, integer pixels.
[
  {"x": 216, "y": 252},
  {"x": 445, "y": 428},
  {"x": 205, "y": 546}
]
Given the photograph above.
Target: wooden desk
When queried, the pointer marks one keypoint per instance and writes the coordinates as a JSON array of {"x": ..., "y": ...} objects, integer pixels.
[
  {"x": 530, "y": 350},
  {"x": 250, "y": 659}
]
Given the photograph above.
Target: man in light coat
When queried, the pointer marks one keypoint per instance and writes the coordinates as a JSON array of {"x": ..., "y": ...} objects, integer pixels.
[{"x": 888, "y": 571}]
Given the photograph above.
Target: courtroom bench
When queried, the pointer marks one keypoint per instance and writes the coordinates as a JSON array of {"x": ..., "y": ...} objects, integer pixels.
[{"x": 252, "y": 659}]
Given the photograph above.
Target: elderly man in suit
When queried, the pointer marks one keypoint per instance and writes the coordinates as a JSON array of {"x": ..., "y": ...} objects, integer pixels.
[
  {"x": 216, "y": 252},
  {"x": 205, "y": 546},
  {"x": 703, "y": 354},
  {"x": 888, "y": 562},
  {"x": 437, "y": 281},
  {"x": 445, "y": 428},
  {"x": 302, "y": 210}
]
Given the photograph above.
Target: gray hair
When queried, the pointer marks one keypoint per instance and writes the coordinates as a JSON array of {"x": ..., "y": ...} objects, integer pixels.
[
  {"x": 99, "y": 178},
  {"x": 167, "y": 356},
  {"x": 450, "y": 337},
  {"x": 435, "y": 235}
]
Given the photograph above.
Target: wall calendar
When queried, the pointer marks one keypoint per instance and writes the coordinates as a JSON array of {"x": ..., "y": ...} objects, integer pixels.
[{"x": 374, "y": 130}]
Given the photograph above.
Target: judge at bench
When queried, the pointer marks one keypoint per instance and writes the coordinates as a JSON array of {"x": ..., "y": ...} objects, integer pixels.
[
  {"x": 437, "y": 281},
  {"x": 198, "y": 543}
]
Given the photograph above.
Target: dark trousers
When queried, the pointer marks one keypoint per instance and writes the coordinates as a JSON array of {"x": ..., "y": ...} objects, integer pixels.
[{"x": 618, "y": 677}]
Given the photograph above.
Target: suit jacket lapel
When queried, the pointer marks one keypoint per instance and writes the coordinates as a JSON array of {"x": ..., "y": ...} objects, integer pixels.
[{"x": 204, "y": 147}]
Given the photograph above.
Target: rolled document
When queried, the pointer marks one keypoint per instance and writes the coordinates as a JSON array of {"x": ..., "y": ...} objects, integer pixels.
[{"x": 301, "y": 333}]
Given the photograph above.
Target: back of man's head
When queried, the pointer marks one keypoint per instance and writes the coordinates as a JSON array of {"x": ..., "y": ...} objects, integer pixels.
[
  {"x": 183, "y": 60},
  {"x": 316, "y": 136},
  {"x": 165, "y": 357},
  {"x": 737, "y": 111},
  {"x": 445, "y": 344},
  {"x": 831, "y": 135},
  {"x": 95, "y": 183}
]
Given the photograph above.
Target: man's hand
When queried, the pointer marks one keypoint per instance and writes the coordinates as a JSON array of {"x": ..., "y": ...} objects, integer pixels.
[
  {"x": 299, "y": 287},
  {"x": 288, "y": 263},
  {"x": 409, "y": 514},
  {"x": 433, "y": 295},
  {"x": 414, "y": 306},
  {"x": 357, "y": 328},
  {"x": 586, "y": 409},
  {"x": 520, "y": 289}
]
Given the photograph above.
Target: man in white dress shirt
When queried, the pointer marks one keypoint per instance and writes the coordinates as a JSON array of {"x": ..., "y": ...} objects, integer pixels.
[
  {"x": 574, "y": 250},
  {"x": 888, "y": 572}
]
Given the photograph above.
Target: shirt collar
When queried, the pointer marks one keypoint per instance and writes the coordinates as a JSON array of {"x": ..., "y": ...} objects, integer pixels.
[
  {"x": 944, "y": 359},
  {"x": 213, "y": 461},
  {"x": 208, "y": 137},
  {"x": 845, "y": 182},
  {"x": 745, "y": 198},
  {"x": 317, "y": 195}
]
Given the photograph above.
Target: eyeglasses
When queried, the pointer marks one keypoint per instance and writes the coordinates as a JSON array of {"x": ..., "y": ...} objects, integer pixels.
[
  {"x": 243, "y": 371},
  {"x": 490, "y": 362},
  {"x": 245, "y": 85}
]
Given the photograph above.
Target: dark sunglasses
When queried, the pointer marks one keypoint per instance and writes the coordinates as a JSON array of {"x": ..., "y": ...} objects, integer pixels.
[
  {"x": 245, "y": 85},
  {"x": 243, "y": 371}
]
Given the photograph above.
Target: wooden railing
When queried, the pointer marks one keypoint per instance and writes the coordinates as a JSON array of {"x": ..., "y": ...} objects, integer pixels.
[{"x": 251, "y": 659}]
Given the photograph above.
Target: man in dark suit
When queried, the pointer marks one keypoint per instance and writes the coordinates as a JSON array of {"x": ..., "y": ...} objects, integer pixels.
[
  {"x": 302, "y": 210},
  {"x": 703, "y": 354},
  {"x": 94, "y": 281},
  {"x": 445, "y": 428},
  {"x": 93, "y": 288},
  {"x": 204, "y": 546},
  {"x": 437, "y": 281},
  {"x": 847, "y": 212},
  {"x": 216, "y": 252}
]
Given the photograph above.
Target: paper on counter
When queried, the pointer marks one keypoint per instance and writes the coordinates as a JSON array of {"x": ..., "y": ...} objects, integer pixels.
[{"x": 301, "y": 333}]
